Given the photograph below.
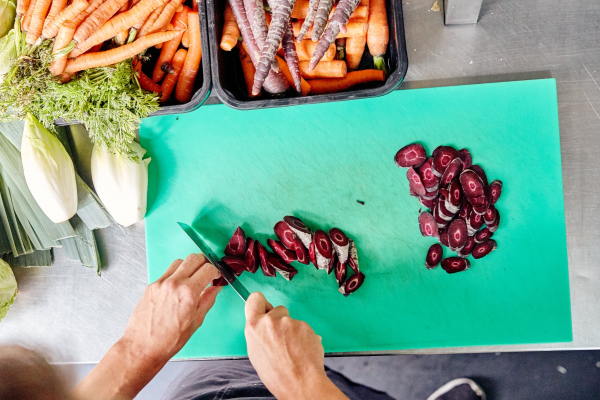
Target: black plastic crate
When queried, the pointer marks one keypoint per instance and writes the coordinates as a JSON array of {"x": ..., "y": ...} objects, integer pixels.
[
  {"x": 202, "y": 85},
  {"x": 228, "y": 79}
]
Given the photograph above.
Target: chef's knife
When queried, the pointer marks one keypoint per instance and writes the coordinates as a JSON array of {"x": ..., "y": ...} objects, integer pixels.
[{"x": 223, "y": 268}]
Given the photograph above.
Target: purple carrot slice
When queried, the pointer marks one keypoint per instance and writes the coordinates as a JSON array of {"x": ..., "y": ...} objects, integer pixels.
[
  {"x": 495, "y": 190},
  {"x": 490, "y": 216},
  {"x": 465, "y": 210},
  {"x": 442, "y": 157},
  {"x": 465, "y": 157},
  {"x": 472, "y": 184},
  {"x": 415, "y": 183},
  {"x": 431, "y": 195},
  {"x": 483, "y": 235},
  {"x": 434, "y": 256},
  {"x": 433, "y": 189},
  {"x": 481, "y": 173},
  {"x": 436, "y": 215},
  {"x": 237, "y": 264},
  {"x": 474, "y": 222},
  {"x": 428, "y": 203},
  {"x": 300, "y": 229},
  {"x": 454, "y": 200},
  {"x": 339, "y": 19},
  {"x": 302, "y": 253},
  {"x": 286, "y": 255},
  {"x": 237, "y": 244},
  {"x": 457, "y": 234},
  {"x": 494, "y": 226},
  {"x": 452, "y": 171},
  {"x": 352, "y": 284},
  {"x": 428, "y": 225},
  {"x": 426, "y": 174},
  {"x": 453, "y": 265},
  {"x": 311, "y": 254},
  {"x": 332, "y": 262},
  {"x": 323, "y": 249},
  {"x": 412, "y": 155},
  {"x": 353, "y": 257},
  {"x": 219, "y": 282},
  {"x": 412, "y": 191},
  {"x": 477, "y": 201},
  {"x": 285, "y": 234},
  {"x": 251, "y": 256},
  {"x": 284, "y": 269},
  {"x": 341, "y": 244},
  {"x": 340, "y": 272},
  {"x": 443, "y": 237},
  {"x": 467, "y": 248},
  {"x": 483, "y": 249},
  {"x": 445, "y": 214},
  {"x": 482, "y": 209},
  {"x": 267, "y": 269}
]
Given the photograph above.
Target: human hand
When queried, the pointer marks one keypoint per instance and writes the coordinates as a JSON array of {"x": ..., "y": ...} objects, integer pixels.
[
  {"x": 172, "y": 308},
  {"x": 286, "y": 353}
]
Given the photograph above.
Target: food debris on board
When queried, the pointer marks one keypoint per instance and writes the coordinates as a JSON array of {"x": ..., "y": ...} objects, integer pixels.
[
  {"x": 293, "y": 46},
  {"x": 332, "y": 251},
  {"x": 462, "y": 213}
]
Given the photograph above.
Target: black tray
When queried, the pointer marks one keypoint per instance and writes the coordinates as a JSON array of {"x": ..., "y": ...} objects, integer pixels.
[
  {"x": 202, "y": 85},
  {"x": 228, "y": 80}
]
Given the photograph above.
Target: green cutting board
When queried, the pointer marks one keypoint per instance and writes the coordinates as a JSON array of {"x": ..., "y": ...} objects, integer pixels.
[{"x": 219, "y": 168}]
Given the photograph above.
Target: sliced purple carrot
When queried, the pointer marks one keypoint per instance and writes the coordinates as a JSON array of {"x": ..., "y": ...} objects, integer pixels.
[
  {"x": 415, "y": 182},
  {"x": 237, "y": 244},
  {"x": 454, "y": 201},
  {"x": 465, "y": 157},
  {"x": 279, "y": 22},
  {"x": 453, "y": 265},
  {"x": 442, "y": 157},
  {"x": 428, "y": 203},
  {"x": 323, "y": 249},
  {"x": 472, "y": 184},
  {"x": 428, "y": 225},
  {"x": 285, "y": 234},
  {"x": 286, "y": 255},
  {"x": 308, "y": 21},
  {"x": 300, "y": 229},
  {"x": 237, "y": 264},
  {"x": 495, "y": 190},
  {"x": 481, "y": 173},
  {"x": 353, "y": 257},
  {"x": 341, "y": 244},
  {"x": 426, "y": 173},
  {"x": 452, "y": 171},
  {"x": 267, "y": 269},
  {"x": 477, "y": 201},
  {"x": 412, "y": 155},
  {"x": 311, "y": 254},
  {"x": 332, "y": 263},
  {"x": 494, "y": 226},
  {"x": 219, "y": 282},
  {"x": 251, "y": 256},
  {"x": 474, "y": 222},
  {"x": 443, "y": 237},
  {"x": 483, "y": 235},
  {"x": 352, "y": 284},
  {"x": 490, "y": 216},
  {"x": 340, "y": 272},
  {"x": 284, "y": 269},
  {"x": 340, "y": 18},
  {"x": 483, "y": 249},
  {"x": 302, "y": 253},
  {"x": 465, "y": 210},
  {"x": 457, "y": 234},
  {"x": 467, "y": 248},
  {"x": 321, "y": 16},
  {"x": 434, "y": 256}
]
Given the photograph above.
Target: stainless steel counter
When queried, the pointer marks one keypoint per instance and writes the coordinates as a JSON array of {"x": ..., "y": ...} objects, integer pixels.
[{"x": 70, "y": 313}]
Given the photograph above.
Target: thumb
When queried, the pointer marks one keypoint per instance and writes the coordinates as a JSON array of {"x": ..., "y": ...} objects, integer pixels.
[{"x": 257, "y": 305}]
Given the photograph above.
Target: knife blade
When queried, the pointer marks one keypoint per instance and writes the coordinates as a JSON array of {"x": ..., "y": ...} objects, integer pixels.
[{"x": 223, "y": 268}]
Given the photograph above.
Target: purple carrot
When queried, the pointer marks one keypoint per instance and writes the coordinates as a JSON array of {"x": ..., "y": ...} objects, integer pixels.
[
  {"x": 291, "y": 57},
  {"x": 279, "y": 23},
  {"x": 275, "y": 82},
  {"x": 308, "y": 21},
  {"x": 255, "y": 11},
  {"x": 340, "y": 18},
  {"x": 321, "y": 18}
]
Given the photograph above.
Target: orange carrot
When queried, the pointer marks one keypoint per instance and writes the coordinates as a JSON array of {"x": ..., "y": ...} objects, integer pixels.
[
  {"x": 37, "y": 21},
  {"x": 63, "y": 39},
  {"x": 231, "y": 32},
  {"x": 378, "y": 34},
  {"x": 355, "y": 47},
  {"x": 125, "y": 7},
  {"x": 22, "y": 6},
  {"x": 194, "y": 5},
  {"x": 180, "y": 8},
  {"x": 325, "y": 86},
  {"x": 68, "y": 14},
  {"x": 185, "y": 39},
  {"x": 324, "y": 69},
  {"x": 166, "y": 16},
  {"x": 172, "y": 77},
  {"x": 352, "y": 29},
  {"x": 364, "y": 3},
  {"x": 56, "y": 7},
  {"x": 248, "y": 69},
  {"x": 94, "y": 4},
  {"x": 119, "y": 23},
  {"x": 306, "y": 48},
  {"x": 143, "y": 79},
  {"x": 288, "y": 75},
  {"x": 28, "y": 15},
  {"x": 121, "y": 37},
  {"x": 170, "y": 48},
  {"x": 118, "y": 54},
  {"x": 145, "y": 29},
  {"x": 185, "y": 84},
  {"x": 300, "y": 10},
  {"x": 167, "y": 27},
  {"x": 97, "y": 19}
]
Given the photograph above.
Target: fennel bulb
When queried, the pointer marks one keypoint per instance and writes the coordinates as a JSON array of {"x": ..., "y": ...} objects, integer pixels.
[
  {"x": 8, "y": 53},
  {"x": 49, "y": 171},
  {"x": 121, "y": 183},
  {"x": 8, "y": 12},
  {"x": 8, "y": 288}
]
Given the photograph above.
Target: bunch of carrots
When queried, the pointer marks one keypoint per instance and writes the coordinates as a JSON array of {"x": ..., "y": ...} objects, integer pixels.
[
  {"x": 314, "y": 46},
  {"x": 97, "y": 33}
]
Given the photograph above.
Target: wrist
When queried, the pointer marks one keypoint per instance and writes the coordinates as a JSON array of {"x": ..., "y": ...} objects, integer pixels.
[{"x": 312, "y": 384}]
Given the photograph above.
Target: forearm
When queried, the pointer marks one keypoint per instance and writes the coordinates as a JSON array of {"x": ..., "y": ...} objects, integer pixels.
[
  {"x": 315, "y": 385},
  {"x": 121, "y": 374}
]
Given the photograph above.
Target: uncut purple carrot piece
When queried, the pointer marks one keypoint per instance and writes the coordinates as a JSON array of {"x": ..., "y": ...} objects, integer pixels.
[
  {"x": 340, "y": 18},
  {"x": 308, "y": 21},
  {"x": 321, "y": 16},
  {"x": 255, "y": 10},
  {"x": 291, "y": 57},
  {"x": 279, "y": 22},
  {"x": 274, "y": 82}
]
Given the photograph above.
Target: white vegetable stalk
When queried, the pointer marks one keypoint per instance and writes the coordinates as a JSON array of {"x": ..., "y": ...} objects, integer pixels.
[
  {"x": 121, "y": 184},
  {"x": 49, "y": 171}
]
